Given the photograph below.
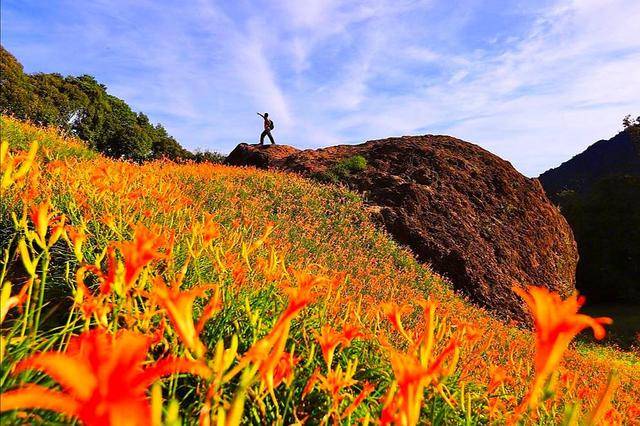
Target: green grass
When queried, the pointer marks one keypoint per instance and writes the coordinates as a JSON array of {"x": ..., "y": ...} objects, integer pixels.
[
  {"x": 342, "y": 169},
  {"x": 52, "y": 143}
]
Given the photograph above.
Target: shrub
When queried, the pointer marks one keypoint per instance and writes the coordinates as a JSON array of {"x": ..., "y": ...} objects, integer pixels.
[
  {"x": 208, "y": 157},
  {"x": 357, "y": 163},
  {"x": 342, "y": 169}
]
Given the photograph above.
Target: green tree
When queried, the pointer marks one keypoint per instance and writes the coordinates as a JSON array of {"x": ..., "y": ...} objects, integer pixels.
[
  {"x": 629, "y": 122},
  {"x": 82, "y": 107},
  {"x": 165, "y": 146},
  {"x": 606, "y": 225},
  {"x": 17, "y": 95}
]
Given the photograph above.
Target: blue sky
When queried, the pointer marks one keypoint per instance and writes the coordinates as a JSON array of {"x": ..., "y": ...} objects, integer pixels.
[{"x": 532, "y": 81}]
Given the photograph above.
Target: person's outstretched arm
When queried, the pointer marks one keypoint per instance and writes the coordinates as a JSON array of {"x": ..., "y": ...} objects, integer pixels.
[{"x": 260, "y": 114}]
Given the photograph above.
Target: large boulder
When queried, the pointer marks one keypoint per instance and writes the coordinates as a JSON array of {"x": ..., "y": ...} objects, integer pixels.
[
  {"x": 465, "y": 211},
  {"x": 262, "y": 156}
]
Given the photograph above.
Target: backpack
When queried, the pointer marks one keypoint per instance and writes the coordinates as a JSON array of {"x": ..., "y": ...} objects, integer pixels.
[{"x": 271, "y": 125}]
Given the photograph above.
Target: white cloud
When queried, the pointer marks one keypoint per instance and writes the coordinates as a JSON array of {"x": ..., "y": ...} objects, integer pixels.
[
  {"x": 422, "y": 54},
  {"x": 559, "y": 77},
  {"x": 564, "y": 85},
  {"x": 252, "y": 66}
]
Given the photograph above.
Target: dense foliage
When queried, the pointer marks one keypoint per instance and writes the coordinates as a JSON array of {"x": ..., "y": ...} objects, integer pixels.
[
  {"x": 606, "y": 224},
  {"x": 342, "y": 169},
  {"x": 598, "y": 192},
  {"x": 81, "y": 107},
  {"x": 146, "y": 294}
]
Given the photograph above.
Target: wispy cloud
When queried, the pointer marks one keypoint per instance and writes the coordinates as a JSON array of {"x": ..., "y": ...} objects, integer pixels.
[{"x": 534, "y": 83}]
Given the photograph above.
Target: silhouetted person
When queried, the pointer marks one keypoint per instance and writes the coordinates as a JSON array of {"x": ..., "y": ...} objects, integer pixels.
[{"x": 268, "y": 127}]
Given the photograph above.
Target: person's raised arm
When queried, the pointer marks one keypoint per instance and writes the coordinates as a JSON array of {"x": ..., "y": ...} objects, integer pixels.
[{"x": 260, "y": 114}]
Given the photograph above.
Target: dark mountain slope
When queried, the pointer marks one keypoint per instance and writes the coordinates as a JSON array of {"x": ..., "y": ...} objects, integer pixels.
[
  {"x": 598, "y": 192},
  {"x": 617, "y": 156}
]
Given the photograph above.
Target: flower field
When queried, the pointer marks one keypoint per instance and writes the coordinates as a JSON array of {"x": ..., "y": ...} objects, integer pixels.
[{"x": 168, "y": 293}]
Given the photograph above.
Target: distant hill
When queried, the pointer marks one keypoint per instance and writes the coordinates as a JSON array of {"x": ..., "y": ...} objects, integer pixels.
[
  {"x": 617, "y": 156},
  {"x": 598, "y": 192}
]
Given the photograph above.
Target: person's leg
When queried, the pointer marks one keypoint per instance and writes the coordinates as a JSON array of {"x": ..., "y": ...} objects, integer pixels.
[
  {"x": 271, "y": 138},
  {"x": 264, "y": 133}
]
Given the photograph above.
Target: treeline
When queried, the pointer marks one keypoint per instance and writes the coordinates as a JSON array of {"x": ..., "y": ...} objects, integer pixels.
[
  {"x": 82, "y": 107},
  {"x": 606, "y": 224},
  {"x": 598, "y": 192}
]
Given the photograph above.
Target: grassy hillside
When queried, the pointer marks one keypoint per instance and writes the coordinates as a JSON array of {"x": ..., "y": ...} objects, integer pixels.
[{"x": 258, "y": 297}]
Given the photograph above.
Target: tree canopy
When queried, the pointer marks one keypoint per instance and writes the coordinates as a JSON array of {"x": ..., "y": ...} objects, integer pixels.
[{"x": 82, "y": 107}]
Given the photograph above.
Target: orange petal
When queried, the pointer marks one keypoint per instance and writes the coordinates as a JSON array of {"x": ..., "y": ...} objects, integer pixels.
[
  {"x": 35, "y": 396},
  {"x": 70, "y": 372}
]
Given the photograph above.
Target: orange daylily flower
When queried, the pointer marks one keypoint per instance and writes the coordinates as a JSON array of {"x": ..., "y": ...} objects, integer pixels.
[
  {"x": 494, "y": 406},
  {"x": 328, "y": 339},
  {"x": 556, "y": 323},
  {"x": 403, "y": 401},
  {"x": 367, "y": 388},
  {"x": 109, "y": 220},
  {"x": 283, "y": 373},
  {"x": 179, "y": 306},
  {"x": 211, "y": 308},
  {"x": 311, "y": 382},
  {"x": 239, "y": 274},
  {"x": 90, "y": 305},
  {"x": 210, "y": 229},
  {"x": 333, "y": 383},
  {"x": 497, "y": 376},
  {"x": 350, "y": 332},
  {"x": 394, "y": 312},
  {"x": 424, "y": 339},
  {"x": 266, "y": 353},
  {"x": 338, "y": 379},
  {"x": 103, "y": 379},
  {"x": 108, "y": 279},
  {"x": 301, "y": 295},
  {"x": 138, "y": 253},
  {"x": 260, "y": 241},
  {"x": 76, "y": 236},
  {"x": 14, "y": 168},
  {"x": 42, "y": 218},
  {"x": 7, "y": 301}
]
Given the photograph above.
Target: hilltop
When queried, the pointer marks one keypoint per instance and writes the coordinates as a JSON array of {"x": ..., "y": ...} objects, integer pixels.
[
  {"x": 617, "y": 156},
  {"x": 466, "y": 212},
  {"x": 304, "y": 309}
]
